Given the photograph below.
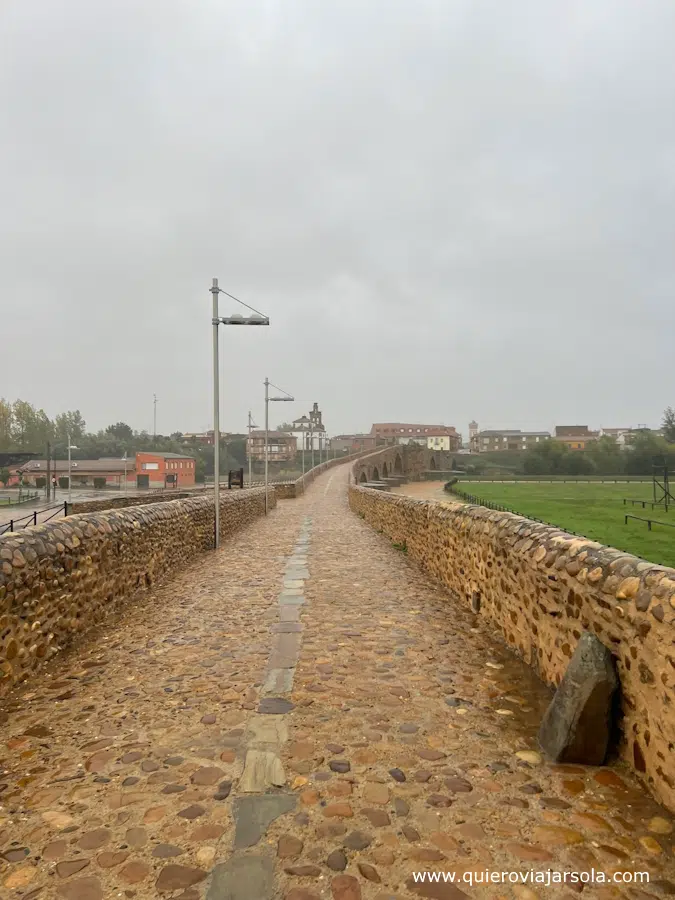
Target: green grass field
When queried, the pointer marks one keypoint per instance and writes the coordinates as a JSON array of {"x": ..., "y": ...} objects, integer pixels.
[{"x": 591, "y": 509}]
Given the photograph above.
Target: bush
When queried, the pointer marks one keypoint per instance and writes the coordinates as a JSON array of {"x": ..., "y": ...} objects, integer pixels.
[
  {"x": 99, "y": 483},
  {"x": 63, "y": 482},
  {"x": 40, "y": 481}
]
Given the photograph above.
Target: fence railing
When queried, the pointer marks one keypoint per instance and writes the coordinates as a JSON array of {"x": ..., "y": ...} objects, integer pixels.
[
  {"x": 479, "y": 501},
  {"x": 649, "y": 522},
  {"x": 34, "y": 518},
  {"x": 25, "y": 497},
  {"x": 645, "y": 503}
]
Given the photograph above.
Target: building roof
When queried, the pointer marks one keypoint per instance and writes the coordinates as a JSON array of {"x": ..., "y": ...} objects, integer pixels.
[
  {"x": 512, "y": 432},
  {"x": 162, "y": 454},
  {"x": 273, "y": 434},
  {"x": 573, "y": 430},
  {"x": 300, "y": 419},
  {"x": 406, "y": 426}
]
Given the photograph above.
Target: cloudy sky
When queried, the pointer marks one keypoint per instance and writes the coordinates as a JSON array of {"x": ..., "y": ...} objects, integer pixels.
[{"x": 450, "y": 209}]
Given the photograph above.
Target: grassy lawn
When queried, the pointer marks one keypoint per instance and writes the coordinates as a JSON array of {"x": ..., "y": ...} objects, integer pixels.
[{"x": 591, "y": 509}]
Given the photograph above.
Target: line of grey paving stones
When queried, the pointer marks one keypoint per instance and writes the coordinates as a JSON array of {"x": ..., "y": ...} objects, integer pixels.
[{"x": 246, "y": 875}]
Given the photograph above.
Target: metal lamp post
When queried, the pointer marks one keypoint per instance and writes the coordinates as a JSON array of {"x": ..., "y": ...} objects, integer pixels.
[
  {"x": 251, "y": 425},
  {"x": 256, "y": 319},
  {"x": 268, "y": 400},
  {"x": 70, "y": 473}
]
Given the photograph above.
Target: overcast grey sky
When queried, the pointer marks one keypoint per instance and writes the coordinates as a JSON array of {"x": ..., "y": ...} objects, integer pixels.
[{"x": 448, "y": 208}]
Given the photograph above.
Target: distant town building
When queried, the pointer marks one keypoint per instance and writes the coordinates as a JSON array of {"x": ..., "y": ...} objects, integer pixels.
[
  {"x": 473, "y": 431},
  {"x": 495, "y": 440},
  {"x": 352, "y": 443},
  {"x": 150, "y": 470},
  {"x": 575, "y": 437},
  {"x": 83, "y": 470},
  {"x": 310, "y": 430},
  {"x": 198, "y": 437},
  {"x": 282, "y": 446},
  {"x": 443, "y": 441},
  {"x": 405, "y": 433},
  {"x": 623, "y": 436},
  {"x": 158, "y": 470}
]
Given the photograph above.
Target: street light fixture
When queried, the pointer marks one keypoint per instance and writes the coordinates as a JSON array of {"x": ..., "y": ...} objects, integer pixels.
[
  {"x": 256, "y": 319},
  {"x": 286, "y": 399}
]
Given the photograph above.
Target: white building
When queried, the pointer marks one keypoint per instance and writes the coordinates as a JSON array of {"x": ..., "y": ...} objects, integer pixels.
[
  {"x": 310, "y": 431},
  {"x": 438, "y": 442}
]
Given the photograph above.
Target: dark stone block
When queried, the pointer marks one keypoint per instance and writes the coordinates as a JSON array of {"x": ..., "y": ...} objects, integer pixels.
[{"x": 576, "y": 727}]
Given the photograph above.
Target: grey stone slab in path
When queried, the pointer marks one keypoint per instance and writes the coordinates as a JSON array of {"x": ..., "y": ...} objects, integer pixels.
[
  {"x": 278, "y": 682},
  {"x": 275, "y": 706},
  {"x": 288, "y": 598},
  {"x": 253, "y": 815},
  {"x": 242, "y": 878}
]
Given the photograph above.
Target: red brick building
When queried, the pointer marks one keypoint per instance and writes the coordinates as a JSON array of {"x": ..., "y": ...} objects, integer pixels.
[{"x": 158, "y": 470}]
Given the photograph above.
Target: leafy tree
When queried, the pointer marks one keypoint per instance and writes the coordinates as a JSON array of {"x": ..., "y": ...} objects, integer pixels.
[
  {"x": 4, "y": 475},
  {"x": 69, "y": 423},
  {"x": 668, "y": 424},
  {"x": 31, "y": 428},
  {"x": 285, "y": 426},
  {"x": 121, "y": 431},
  {"x": 606, "y": 456},
  {"x": 548, "y": 458},
  {"x": 6, "y": 418}
]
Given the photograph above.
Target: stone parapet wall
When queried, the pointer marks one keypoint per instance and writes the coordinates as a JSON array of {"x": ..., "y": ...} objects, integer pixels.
[
  {"x": 542, "y": 587},
  {"x": 59, "y": 579},
  {"x": 77, "y": 507}
]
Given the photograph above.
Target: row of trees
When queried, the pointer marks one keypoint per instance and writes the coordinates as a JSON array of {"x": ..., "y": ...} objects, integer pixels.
[{"x": 26, "y": 429}]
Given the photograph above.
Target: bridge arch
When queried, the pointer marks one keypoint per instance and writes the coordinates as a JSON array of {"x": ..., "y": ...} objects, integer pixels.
[
  {"x": 385, "y": 471},
  {"x": 363, "y": 478},
  {"x": 398, "y": 465},
  {"x": 376, "y": 474}
]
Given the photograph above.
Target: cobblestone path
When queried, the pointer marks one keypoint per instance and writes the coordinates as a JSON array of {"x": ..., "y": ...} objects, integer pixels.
[{"x": 303, "y": 716}]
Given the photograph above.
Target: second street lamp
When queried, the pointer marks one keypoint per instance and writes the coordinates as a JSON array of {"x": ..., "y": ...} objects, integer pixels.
[
  {"x": 285, "y": 399},
  {"x": 256, "y": 319}
]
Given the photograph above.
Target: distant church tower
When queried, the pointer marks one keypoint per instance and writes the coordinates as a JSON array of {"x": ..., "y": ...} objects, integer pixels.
[{"x": 473, "y": 433}]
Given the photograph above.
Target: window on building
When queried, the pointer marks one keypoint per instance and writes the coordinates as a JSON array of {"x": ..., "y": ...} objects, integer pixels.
[
  {"x": 536, "y": 439},
  {"x": 148, "y": 467},
  {"x": 504, "y": 439}
]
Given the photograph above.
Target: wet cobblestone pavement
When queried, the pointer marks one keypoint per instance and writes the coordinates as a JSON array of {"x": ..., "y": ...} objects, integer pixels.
[{"x": 303, "y": 715}]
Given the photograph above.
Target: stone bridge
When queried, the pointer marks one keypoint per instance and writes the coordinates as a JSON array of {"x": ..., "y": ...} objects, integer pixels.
[
  {"x": 332, "y": 702},
  {"x": 399, "y": 463}
]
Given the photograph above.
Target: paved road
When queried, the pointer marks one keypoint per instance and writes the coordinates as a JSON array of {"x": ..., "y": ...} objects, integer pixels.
[{"x": 302, "y": 716}]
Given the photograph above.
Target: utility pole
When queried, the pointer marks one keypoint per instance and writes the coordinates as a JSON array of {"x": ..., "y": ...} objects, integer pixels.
[
  {"x": 154, "y": 417},
  {"x": 267, "y": 429},
  {"x": 48, "y": 489},
  {"x": 251, "y": 426},
  {"x": 304, "y": 441}
]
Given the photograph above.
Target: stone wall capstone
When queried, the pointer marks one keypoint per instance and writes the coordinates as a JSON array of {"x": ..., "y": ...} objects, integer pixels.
[
  {"x": 542, "y": 587},
  {"x": 59, "y": 579}
]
